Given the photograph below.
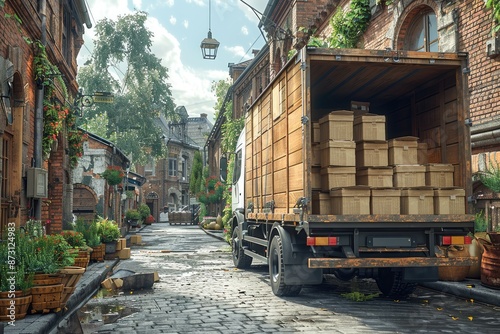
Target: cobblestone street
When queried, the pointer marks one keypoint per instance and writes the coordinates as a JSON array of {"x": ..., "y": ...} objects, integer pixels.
[{"x": 201, "y": 291}]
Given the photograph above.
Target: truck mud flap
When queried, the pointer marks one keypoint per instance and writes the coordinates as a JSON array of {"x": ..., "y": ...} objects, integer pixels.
[{"x": 391, "y": 262}]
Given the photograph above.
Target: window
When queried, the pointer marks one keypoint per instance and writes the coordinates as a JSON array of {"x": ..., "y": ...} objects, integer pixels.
[
  {"x": 172, "y": 166},
  {"x": 237, "y": 166},
  {"x": 423, "y": 35},
  {"x": 66, "y": 34},
  {"x": 184, "y": 168}
]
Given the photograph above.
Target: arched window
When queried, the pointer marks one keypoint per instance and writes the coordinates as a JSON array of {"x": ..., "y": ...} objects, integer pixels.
[{"x": 423, "y": 34}]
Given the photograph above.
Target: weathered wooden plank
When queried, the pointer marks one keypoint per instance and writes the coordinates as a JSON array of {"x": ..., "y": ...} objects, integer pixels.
[{"x": 296, "y": 177}]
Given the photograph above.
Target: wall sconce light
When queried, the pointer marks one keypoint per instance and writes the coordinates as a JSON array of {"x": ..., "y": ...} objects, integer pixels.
[{"x": 209, "y": 45}]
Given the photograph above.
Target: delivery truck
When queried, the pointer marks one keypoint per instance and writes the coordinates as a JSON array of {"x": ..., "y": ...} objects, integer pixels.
[{"x": 355, "y": 163}]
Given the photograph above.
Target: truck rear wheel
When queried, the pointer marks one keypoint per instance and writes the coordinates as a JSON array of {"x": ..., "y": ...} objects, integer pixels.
[
  {"x": 391, "y": 284},
  {"x": 277, "y": 270},
  {"x": 240, "y": 260}
]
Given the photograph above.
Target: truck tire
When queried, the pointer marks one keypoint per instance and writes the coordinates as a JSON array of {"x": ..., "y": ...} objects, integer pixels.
[
  {"x": 277, "y": 271},
  {"x": 240, "y": 260},
  {"x": 391, "y": 284}
]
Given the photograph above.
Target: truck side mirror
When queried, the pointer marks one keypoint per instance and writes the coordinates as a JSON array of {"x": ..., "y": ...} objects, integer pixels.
[{"x": 223, "y": 168}]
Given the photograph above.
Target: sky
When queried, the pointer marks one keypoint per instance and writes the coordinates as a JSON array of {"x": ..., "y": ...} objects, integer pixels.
[{"x": 179, "y": 26}]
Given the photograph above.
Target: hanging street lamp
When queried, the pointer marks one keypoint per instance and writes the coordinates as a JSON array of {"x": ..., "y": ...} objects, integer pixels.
[{"x": 209, "y": 45}]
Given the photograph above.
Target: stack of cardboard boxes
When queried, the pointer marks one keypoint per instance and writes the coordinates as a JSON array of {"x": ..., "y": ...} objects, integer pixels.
[{"x": 357, "y": 171}]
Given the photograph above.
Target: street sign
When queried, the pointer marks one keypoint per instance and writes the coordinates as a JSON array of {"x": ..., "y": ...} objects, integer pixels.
[{"x": 103, "y": 97}]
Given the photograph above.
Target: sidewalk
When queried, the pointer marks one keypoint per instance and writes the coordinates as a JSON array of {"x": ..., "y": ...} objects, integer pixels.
[
  {"x": 86, "y": 287},
  {"x": 468, "y": 289}
]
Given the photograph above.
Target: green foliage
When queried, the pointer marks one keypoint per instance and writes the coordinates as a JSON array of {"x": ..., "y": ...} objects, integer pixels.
[
  {"x": 359, "y": 297},
  {"x": 113, "y": 175},
  {"x": 90, "y": 231},
  {"x": 347, "y": 27},
  {"x": 480, "y": 222},
  {"x": 144, "y": 211},
  {"x": 109, "y": 230},
  {"x": 141, "y": 92},
  {"x": 133, "y": 214},
  {"x": 21, "y": 278},
  {"x": 213, "y": 191},
  {"x": 49, "y": 254},
  {"x": 494, "y": 5},
  {"x": 491, "y": 177},
  {"x": 74, "y": 239},
  {"x": 196, "y": 173}
]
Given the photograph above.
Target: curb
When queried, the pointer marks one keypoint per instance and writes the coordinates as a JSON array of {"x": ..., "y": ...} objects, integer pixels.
[{"x": 86, "y": 287}]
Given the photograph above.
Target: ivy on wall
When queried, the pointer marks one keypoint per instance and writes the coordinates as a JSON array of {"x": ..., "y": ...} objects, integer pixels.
[{"x": 494, "y": 5}]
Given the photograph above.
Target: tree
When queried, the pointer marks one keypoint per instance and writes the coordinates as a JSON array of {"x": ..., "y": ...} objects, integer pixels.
[
  {"x": 122, "y": 63},
  {"x": 196, "y": 177}
]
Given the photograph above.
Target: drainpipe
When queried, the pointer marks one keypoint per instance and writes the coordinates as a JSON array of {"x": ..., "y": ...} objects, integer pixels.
[{"x": 39, "y": 111}]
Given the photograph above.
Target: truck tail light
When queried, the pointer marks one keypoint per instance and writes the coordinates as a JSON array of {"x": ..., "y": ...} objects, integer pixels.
[
  {"x": 322, "y": 241},
  {"x": 456, "y": 240}
]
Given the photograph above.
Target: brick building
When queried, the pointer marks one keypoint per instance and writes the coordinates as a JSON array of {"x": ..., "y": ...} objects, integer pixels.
[
  {"x": 167, "y": 182},
  {"x": 24, "y": 25},
  {"x": 92, "y": 195},
  {"x": 421, "y": 25}
]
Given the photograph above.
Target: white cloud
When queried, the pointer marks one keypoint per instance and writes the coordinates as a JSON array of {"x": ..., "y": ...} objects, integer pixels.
[
  {"x": 186, "y": 24},
  {"x": 137, "y": 4},
  {"x": 244, "y": 30},
  {"x": 172, "y": 20},
  {"x": 237, "y": 51},
  {"x": 197, "y": 2},
  {"x": 170, "y": 3}
]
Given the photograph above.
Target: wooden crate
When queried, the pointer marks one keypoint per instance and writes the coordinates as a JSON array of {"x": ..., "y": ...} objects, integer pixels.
[{"x": 321, "y": 203}]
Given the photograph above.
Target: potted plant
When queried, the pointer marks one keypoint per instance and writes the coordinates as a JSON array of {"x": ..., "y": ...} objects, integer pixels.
[
  {"x": 113, "y": 175},
  {"x": 144, "y": 210},
  {"x": 133, "y": 216},
  {"x": 76, "y": 240},
  {"x": 110, "y": 233},
  {"x": 14, "y": 287},
  {"x": 92, "y": 236}
]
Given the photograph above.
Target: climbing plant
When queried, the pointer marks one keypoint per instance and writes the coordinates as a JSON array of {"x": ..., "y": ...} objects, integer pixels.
[
  {"x": 494, "y": 5},
  {"x": 347, "y": 27}
]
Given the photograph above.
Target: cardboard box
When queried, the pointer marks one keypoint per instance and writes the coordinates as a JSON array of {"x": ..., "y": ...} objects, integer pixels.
[
  {"x": 337, "y": 125},
  {"x": 337, "y": 177},
  {"x": 369, "y": 127},
  {"x": 448, "y": 201},
  {"x": 403, "y": 151},
  {"x": 338, "y": 153},
  {"x": 371, "y": 154},
  {"x": 316, "y": 134},
  {"x": 321, "y": 203},
  {"x": 135, "y": 239},
  {"x": 350, "y": 201},
  {"x": 122, "y": 243},
  {"x": 409, "y": 176},
  {"x": 124, "y": 253},
  {"x": 316, "y": 177},
  {"x": 316, "y": 155},
  {"x": 417, "y": 201},
  {"x": 422, "y": 157},
  {"x": 156, "y": 277},
  {"x": 374, "y": 176},
  {"x": 108, "y": 284},
  {"x": 439, "y": 175},
  {"x": 385, "y": 201}
]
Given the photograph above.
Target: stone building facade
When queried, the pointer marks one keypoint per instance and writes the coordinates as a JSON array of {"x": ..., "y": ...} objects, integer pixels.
[{"x": 59, "y": 25}]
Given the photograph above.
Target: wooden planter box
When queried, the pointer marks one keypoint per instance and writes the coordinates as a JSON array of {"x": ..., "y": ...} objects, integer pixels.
[{"x": 22, "y": 302}]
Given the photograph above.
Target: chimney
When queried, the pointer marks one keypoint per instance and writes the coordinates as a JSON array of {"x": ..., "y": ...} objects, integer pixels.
[
  {"x": 203, "y": 115},
  {"x": 255, "y": 52}
]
